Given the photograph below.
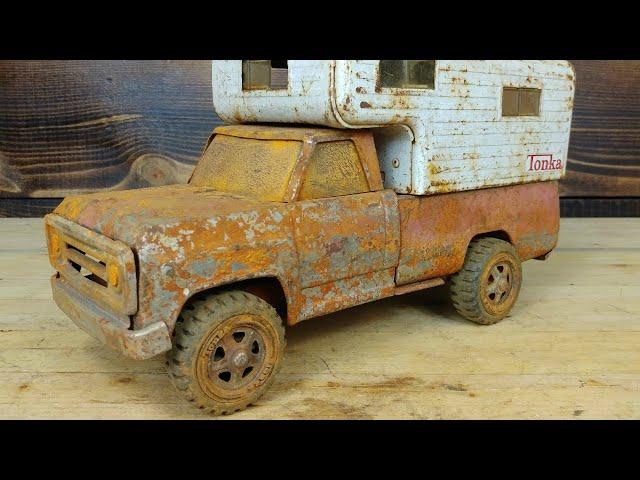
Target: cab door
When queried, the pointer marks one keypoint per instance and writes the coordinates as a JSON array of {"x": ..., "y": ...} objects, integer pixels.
[{"x": 346, "y": 235}]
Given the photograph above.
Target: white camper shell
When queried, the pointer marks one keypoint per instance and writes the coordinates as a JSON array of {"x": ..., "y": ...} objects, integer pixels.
[{"x": 464, "y": 125}]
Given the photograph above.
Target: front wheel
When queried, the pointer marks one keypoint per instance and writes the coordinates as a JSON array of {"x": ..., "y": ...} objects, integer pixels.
[
  {"x": 487, "y": 286},
  {"x": 227, "y": 348}
]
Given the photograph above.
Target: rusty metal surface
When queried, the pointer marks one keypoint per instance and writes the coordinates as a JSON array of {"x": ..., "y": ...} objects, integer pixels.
[
  {"x": 346, "y": 292},
  {"x": 112, "y": 268},
  {"x": 109, "y": 328},
  {"x": 301, "y": 133},
  {"x": 310, "y": 136},
  {"x": 323, "y": 254},
  {"x": 188, "y": 239},
  {"x": 414, "y": 287},
  {"x": 246, "y": 166},
  {"x": 499, "y": 285},
  {"x": 346, "y": 236},
  {"x": 234, "y": 358},
  {"x": 437, "y": 229}
]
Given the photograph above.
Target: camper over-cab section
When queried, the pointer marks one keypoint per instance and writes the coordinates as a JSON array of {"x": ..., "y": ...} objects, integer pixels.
[{"x": 439, "y": 125}]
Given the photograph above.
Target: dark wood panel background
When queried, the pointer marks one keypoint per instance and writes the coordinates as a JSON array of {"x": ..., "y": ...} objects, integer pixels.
[
  {"x": 80, "y": 126},
  {"x": 604, "y": 148}
]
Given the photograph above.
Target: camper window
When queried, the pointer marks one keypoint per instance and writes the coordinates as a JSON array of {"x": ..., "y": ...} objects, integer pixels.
[
  {"x": 265, "y": 74},
  {"x": 407, "y": 73},
  {"x": 520, "y": 102}
]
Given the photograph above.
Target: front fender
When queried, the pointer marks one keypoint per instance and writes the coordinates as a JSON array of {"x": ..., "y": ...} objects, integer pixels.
[
  {"x": 164, "y": 291},
  {"x": 179, "y": 260}
]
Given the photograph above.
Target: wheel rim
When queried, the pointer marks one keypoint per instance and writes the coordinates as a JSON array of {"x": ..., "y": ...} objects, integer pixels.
[
  {"x": 236, "y": 357},
  {"x": 499, "y": 282},
  {"x": 500, "y": 285}
]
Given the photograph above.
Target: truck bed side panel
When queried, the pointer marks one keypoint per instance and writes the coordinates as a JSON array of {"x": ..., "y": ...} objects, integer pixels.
[{"x": 436, "y": 230}]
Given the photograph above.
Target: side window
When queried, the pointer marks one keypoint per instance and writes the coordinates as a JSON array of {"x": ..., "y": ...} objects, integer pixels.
[
  {"x": 265, "y": 75},
  {"x": 408, "y": 74},
  {"x": 334, "y": 169},
  {"x": 518, "y": 102}
]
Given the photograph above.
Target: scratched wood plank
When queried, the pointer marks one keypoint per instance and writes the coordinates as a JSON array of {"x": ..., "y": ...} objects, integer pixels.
[
  {"x": 568, "y": 351},
  {"x": 76, "y": 126},
  {"x": 329, "y": 396}
]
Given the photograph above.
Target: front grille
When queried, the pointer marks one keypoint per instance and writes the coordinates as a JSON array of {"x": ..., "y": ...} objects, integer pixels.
[
  {"x": 101, "y": 268},
  {"x": 88, "y": 266}
]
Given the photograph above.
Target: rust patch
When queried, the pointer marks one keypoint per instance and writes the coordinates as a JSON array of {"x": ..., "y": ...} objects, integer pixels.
[{"x": 436, "y": 229}]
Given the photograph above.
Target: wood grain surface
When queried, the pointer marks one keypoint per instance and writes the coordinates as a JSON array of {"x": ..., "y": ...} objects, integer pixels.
[
  {"x": 604, "y": 149},
  {"x": 568, "y": 350},
  {"x": 80, "y": 126}
]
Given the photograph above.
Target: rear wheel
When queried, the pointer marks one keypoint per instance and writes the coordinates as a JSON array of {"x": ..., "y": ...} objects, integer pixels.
[
  {"x": 487, "y": 286},
  {"x": 227, "y": 348}
]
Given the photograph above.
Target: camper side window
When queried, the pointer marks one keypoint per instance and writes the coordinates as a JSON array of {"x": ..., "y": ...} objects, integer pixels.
[
  {"x": 265, "y": 75},
  {"x": 334, "y": 169},
  {"x": 407, "y": 73},
  {"x": 517, "y": 102}
]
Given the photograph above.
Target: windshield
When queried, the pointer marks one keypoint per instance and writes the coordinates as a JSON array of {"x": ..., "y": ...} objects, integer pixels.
[{"x": 255, "y": 168}]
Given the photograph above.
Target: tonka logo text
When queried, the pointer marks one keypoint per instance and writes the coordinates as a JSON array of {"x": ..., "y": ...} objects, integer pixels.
[{"x": 542, "y": 162}]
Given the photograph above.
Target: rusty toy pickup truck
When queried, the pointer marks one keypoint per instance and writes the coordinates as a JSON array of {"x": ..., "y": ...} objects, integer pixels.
[{"x": 282, "y": 223}]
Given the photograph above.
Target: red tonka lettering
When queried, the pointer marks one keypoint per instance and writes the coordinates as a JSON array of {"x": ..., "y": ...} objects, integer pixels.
[{"x": 543, "y": 162}]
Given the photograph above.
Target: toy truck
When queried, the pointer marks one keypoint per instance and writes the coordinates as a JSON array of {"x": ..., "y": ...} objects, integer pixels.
[{"x": 335, "y": 183}]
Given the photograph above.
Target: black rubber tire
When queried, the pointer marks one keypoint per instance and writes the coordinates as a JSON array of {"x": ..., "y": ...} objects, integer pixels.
[
  {"x": 198, "y": 319},
  {"x": 466, "y": 286}
]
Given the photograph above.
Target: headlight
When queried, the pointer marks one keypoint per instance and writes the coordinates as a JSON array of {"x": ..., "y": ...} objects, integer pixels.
[
  {"x": 113, "y": 276},
  {"x": 55, "y": 243}
]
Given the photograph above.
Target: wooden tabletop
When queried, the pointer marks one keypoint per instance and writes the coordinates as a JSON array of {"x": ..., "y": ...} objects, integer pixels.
[{"x": 570, "y": 349}]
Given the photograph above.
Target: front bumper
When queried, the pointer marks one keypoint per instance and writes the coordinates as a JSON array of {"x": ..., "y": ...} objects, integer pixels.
[{"x": 109, "y": 328}]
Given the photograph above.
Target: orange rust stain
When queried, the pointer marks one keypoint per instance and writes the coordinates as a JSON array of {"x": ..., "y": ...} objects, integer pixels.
[{"x": 437, "y": 229}]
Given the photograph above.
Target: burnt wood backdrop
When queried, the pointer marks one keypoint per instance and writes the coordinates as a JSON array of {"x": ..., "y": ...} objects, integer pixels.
[{"x": 79, "y": 126}]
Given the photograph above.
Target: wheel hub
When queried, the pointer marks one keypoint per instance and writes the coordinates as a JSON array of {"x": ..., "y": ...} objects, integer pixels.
[
  {"x": 498, "y": 283},
  {"x": 236, "y": 358},
  {"x": 240, "y": 359}
]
